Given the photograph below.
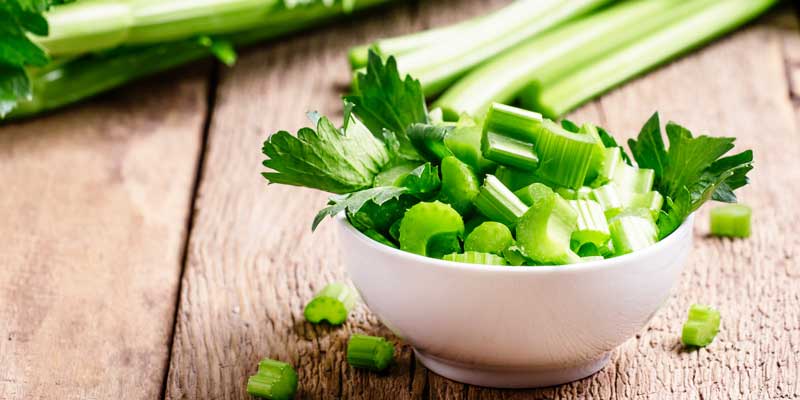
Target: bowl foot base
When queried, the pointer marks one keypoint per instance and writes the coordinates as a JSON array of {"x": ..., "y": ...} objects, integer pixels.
[{"x": 509, "y": 378}]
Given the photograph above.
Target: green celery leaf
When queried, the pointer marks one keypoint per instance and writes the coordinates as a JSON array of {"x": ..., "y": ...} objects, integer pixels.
[
  {"x": 384, "y": 101},
  {"x": 353, "y": 202},
  {"x": 422, "y": 181},
  {"x": 688, "y": 157},
  {"x": 329, "y": 159},
  {"x": 570, "y": 126},
  {"x": 648, "y": 149},
  {"x": 14, "y": 85},
  {"x": 675, "y": 211},
  {"x": 428, "y": 140}
]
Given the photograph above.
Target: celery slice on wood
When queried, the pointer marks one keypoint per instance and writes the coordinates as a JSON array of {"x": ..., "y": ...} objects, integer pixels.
[
  {"x": 497, "y": 203},
  {"x": 732, "y": 220},
  {"x": 685, "y": 32},
  {"x": 331, "y": 304},
  {"x": 544, "y": 231},
  {"x": 275, "y": 380},
  {"x": 592, "y": 224},
  {"x": 369, "y": 352},
  {"x": 564, "y": 157},
  {"x": 632, "y": 230},
  {"x": 701, "y": 326},
  {"x": 475, "y": 257},
  {"x": 489, "y": 237},
  {"x": 427, "y": 223}
]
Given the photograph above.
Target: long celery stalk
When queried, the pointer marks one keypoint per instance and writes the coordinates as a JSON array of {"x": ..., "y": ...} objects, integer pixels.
[
  {"x": 683, "y": 34},
  {"x": 440, "y": 64},
  {"x": 549, "y": 56},
  {"x": 64, "y": 83}
]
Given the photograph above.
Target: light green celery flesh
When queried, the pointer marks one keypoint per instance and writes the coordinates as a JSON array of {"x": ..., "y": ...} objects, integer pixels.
[
  {"x": 474, "y": 257},
  {"x": 564, "y": 157},
  {"x": 544, "y": 231},
  {"x": 592, "y": 224},
  {"x": 632, "y": 179},
  {"x": 512, "y": 121},
  {"x": 614, "y": 200},
  {"x": 612, "y": 159},
  {"x": 61, "y": 84},
  {"x": 497, "y": 203},
  {"x": 683, "y": 34},
  {"x": 502, "y": 78},
  {"x": 630, "y": 233},
  {"x": 508, "y": 151},
  {"x": 438, "y": 65},
  {"x": 732, "y": 220},
  {"x": 370, "y": 352}
]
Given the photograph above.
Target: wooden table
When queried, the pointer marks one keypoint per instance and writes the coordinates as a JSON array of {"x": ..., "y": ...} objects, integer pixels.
[{"x": 143, "y": 256}]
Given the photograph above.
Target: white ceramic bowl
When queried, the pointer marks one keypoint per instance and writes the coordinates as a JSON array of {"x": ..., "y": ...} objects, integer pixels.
[{"x": 513, "y": 327}]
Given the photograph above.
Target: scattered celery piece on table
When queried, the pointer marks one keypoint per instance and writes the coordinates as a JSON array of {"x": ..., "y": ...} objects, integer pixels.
[
  {"x": 701, "y": 326},
  {"x": 274, "y": 380},
  {"x": 331, "y": 304},
  {"x": 369, "y": 352},
  {"x": 731, "y": 220}
]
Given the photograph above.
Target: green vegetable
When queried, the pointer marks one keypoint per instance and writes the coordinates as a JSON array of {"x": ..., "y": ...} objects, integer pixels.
[
  {"x": 489, "y": 237},
  {"x": 352, "y": 203},
  {"x": 422, "y": 181},
  {"x": 464, "y": 141},
  {"x": 275, "y": 380},
  {"x": 509, "y": 151},
  {"x": 543, "y": 232},
  {"x": 514, "y": 122},
  {"x": 701, "y": 326},
  {"x": 632, "y": 230},
  {"x": 425, "y": 222},
  {"x": 369, "y": 352},
  {"x": 331, "y": 304},
  {"x": 565, "y": 156},
  {"x": 592, "y": 225},
  {"x": 686, "y": 32},
  {"x": 384, "y": 101},
  {"x": 633, "y": 180},
  {"x": 460, "y": 185},
  {"x": 692, "y": 171},
  {"x": 497, "y": 203},
  {"x": 584, "y": 193},
  {"x": 428, "y": 140},
  {"x": 395, "y": 175},
  {"x": 515, "y": 256},
  {"x": 329, "y": 159},
  {"x": 732, "y": 220},
  {"x": 516, "y": 179},
  {"x": 378, "y": 237},
  {"x": 475, "y": 257}
]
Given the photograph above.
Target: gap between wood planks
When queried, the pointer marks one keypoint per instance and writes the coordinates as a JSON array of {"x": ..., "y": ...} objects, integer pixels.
[{"x": 211, "y": 101}]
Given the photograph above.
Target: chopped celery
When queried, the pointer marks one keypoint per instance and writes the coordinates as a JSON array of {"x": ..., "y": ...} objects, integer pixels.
[
  {"x": 379, "y": 237},
  {"x": 473, "y": 223},
  {"x": 394, "y": 176},
  {"x": 428, "y": 141},
  {"x": 475, "y": 257},
  {"x": 632, "y": 179},
  {"x": 464, "y": 141},
  {"x": 564, "y": 156},
  {"x": 394, "y": 230},
  {"x": 544, "y": 230},
  {"x": 489, "y": 237},
  {"x": 612, "y": 159},
  {"x": 632, "y": 230},
  {"x": 732, "y": 220},
  {"x": 331, "y": 304},
  {"x": 584, "y": 193},
  {"x": 498, "y": 203},
  {"x": 516, "y": 179},
  {"x": 592, "y": 225},
  {"x": 369, "y": 352},
  {"x": 509, "y": 151},
  {"x": 513, "y": 122},
  {"x": 274, "y": 380},
  {"x": 442, "y": 244},
  {"x": 701, "y": 326},
  {"x": 515, "y": 256},
  {"x": 460, "y": 185},
  {"x": 425, "y": 221},
  {"x": 651, "y": 200},
  {"x": 614, "y": 200}
]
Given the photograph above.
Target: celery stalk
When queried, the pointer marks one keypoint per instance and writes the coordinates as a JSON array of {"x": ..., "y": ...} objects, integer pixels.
[
  {"x": 544, "y": 230},
  {"x": 498, "y": 203},
  {"x": 682, "y": 34}
]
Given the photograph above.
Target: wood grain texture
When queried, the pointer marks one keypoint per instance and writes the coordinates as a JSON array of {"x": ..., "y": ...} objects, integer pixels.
[
  {"x": 94, "y": 209},
  {"x": 253, "y": 263}
]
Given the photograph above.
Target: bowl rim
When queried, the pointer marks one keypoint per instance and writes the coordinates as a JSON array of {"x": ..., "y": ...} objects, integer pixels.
[{"x": 685, "y": 229}]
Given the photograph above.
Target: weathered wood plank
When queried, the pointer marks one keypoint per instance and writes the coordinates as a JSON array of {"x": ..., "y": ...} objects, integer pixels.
[
  {"x": 94, "y": 211},
  {"x": 252, "y": 263}
]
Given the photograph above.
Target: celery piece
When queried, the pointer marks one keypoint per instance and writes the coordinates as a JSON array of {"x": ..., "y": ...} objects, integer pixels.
[
  {"x": 489, "y": 237},
  {"x": 475, "y": 257},
  {"x": 513, "y": 122},
  {"x": 509, "y": 151},
  {"x": 731, "y": 220},
  {"x": 331, "y": 304},
  {"x": 516, "y": 179},
  {"x": 564, "y": 156},
  {"x": 592, "y": 225},
  {"x": 598, "y": 153},
  {"x": 687, "y": 28},
  {"x": 442, "y": 244},
  {"x": 464, "y": 141},
  {"x": 369, "y": 352},
  {"x": 651, "y": 200},
  {"x": 612, "y": 159},
  {"x": 544, "y": 230},
  {"x": 632, "y": 230},
  {"x": 609, "y": 197},
  {"x": 614, "y": 200},
  {"x": 428, "y": 141},
  {"x": 394, "y": 229},
  {"x": 379, "y": 237},
  {"x": 546, "y": 57},
  {"x": 701, "y": 327},
  {"x": 394, "y": 176},
  {"x": 515, "y": 256},
  {"x": 473, "y": 223},
  {"x": 424, "y": 221},
  {"x": 632, "y": 179},
  {"x": 460, "y": 185},
  {"x": 275, "y": 380},
  {"x": 591, "y": 259},
  {"x": 497, "y": 203},
  {"x": 584, "y": 193}
]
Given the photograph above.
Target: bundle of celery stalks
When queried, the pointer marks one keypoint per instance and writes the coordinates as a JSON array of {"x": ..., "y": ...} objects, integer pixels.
[{"x": 57, "y": 52}]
